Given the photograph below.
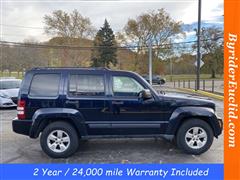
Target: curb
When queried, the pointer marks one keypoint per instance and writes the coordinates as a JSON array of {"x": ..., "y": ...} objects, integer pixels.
[{"x": 215, "y": 96}]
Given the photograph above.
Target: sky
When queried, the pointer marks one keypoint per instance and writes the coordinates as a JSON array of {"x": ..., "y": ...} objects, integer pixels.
[{"x": 22, "y": 20}]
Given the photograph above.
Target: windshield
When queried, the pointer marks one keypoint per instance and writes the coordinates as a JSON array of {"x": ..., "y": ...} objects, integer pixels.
[{"x": 10, "y": 84}]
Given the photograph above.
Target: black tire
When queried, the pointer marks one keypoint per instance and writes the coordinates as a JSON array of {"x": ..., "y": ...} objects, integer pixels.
[
  {"x": 63, "y": 127},
  {"x": 162, "y": 81},
  {"x": 181, "y": 140}
]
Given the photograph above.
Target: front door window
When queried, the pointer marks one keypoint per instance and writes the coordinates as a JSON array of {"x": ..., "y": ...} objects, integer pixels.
[{"x": 126, "y": 86}]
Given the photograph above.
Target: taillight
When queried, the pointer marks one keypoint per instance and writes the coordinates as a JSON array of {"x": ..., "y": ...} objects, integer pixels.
[{"x": 21, "y": 109}]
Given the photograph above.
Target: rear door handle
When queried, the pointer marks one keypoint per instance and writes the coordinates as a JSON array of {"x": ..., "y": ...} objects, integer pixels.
[
  {"x": 117, "y": 102},
  {"x": 71, "y": 102}
]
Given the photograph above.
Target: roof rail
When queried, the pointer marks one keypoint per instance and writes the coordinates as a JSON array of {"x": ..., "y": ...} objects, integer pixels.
[{"x": 90, "y": 68}]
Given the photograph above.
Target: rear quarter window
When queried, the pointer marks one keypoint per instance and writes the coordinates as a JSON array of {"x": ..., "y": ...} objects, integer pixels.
[{"x": 45, "y": 85}]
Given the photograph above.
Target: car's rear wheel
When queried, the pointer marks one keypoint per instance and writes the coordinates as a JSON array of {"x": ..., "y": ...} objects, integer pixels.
[
  {"x": 59, "y": 140},
  {"x": 195, "y": 136}
]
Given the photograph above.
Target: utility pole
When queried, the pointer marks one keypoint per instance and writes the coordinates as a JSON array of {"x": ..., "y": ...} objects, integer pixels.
[
  {"x": 150, "y": 62},
  {"x": 171, "y": 68},
  {"x": 198, "y": 44}
]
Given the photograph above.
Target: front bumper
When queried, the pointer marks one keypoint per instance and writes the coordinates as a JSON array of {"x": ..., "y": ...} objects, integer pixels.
[
  {"x": 220, "y": 126},
  {"x": 22, "y": 126},
  {"x": 220, "y": 121},
  {"x": 7, "y": 103}
]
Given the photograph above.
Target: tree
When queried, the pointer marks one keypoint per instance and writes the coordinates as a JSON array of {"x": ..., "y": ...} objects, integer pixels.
[
  {"x": 73, "y": 25},
  {"x": 19, "y": 58},
  {"x": 69, "y": 57},
  {"x": 104, "y": 50},
  {"x": 156, "y": 27},
  {"x": 212, "y": 50}
]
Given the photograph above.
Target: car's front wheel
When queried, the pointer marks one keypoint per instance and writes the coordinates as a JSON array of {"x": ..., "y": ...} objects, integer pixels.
[
  {"x": 195, "y": 136},
  {"x": 162, "y": 81},
  {"x": 59, "y": 140}
]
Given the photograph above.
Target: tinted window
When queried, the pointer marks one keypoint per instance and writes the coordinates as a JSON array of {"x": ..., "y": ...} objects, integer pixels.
[
  {"x": 86, "y": 85},
  {"x": 10, "y": 84},
  {"x": 126, "y": 86},
  {"x": 45, "y": 85}
]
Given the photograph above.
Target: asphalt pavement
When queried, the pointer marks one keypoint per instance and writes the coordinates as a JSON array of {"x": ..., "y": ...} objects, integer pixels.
[{"x": 17, "y": 148}]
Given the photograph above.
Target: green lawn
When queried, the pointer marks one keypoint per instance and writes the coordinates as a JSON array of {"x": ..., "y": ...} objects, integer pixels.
[
  {"x": 12, "y": 74},
  {"x": 190, "y": 77}
]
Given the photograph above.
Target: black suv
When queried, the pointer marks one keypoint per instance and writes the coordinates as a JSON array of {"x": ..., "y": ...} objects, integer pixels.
[{"x": 66, "y": 104}]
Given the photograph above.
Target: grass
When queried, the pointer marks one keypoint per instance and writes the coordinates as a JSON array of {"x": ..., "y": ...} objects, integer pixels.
[
  {"x": 12, "y": 74},
  {"x": 191, "y": 77}
]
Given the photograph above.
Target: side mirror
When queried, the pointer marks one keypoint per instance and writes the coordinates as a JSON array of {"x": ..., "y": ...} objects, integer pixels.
[{"x": 145, "y": 94}]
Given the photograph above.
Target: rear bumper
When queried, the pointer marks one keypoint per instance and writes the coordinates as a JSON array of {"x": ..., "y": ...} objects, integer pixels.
[{"x": 22, "y": 126}]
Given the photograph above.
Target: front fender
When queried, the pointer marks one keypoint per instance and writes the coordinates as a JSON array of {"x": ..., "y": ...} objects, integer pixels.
[
  {"x": 182, "y": 113},
  {"x": 42, "y": 116}
]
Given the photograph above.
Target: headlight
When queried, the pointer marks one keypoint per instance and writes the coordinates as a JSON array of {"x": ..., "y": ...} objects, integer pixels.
[{"x": 4, "y": 96}]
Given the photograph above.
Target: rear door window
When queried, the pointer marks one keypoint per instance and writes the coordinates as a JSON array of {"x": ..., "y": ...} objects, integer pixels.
[
  {"x": 45, "y": 85},
  {"x": 86, "y": 85}
]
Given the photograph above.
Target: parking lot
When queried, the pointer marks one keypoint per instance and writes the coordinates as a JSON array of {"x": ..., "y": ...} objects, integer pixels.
[{"x": 16, "y": 148}]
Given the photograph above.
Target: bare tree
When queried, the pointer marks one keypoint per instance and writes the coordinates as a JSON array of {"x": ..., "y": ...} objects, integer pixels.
[
  {"x": 156, "y": 27},
  {"x": 64, "y": 24}
]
